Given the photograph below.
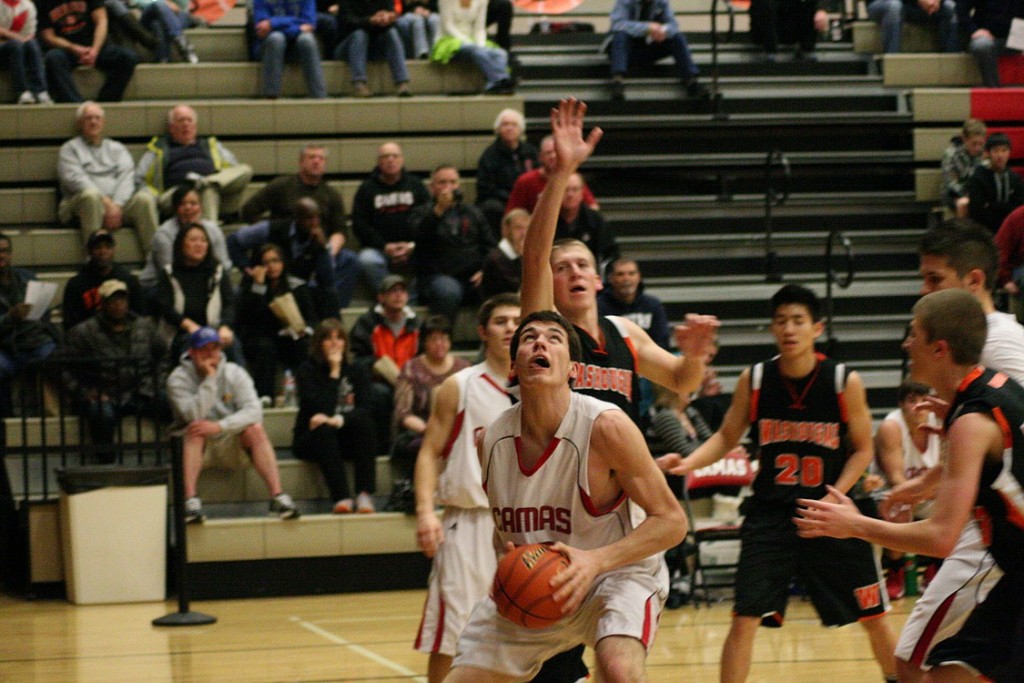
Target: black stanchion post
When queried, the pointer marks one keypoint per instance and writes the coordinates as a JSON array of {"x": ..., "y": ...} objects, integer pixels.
[{"x": 184, "y": 616}]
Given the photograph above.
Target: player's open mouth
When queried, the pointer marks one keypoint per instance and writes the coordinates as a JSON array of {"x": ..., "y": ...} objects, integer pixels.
[
  {"x": 577, "y": 289},
  {"x": 540, "y": 361}
]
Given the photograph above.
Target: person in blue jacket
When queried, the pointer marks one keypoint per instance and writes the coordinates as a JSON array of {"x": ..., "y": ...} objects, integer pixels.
[{"x": 286, "y": 29}]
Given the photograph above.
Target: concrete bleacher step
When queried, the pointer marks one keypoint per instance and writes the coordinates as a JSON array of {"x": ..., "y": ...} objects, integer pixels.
[
  {"x": 248, "y": 118},
  {"x": 220, "y": 80},
  {"x": 867, "y": 38},
  {"x": 930, "y": 70}
]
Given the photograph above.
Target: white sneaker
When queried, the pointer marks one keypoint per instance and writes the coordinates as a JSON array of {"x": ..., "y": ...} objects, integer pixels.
[
  {"x": 26, "y": 98},
  {"x": 44, "y": 98},
  {"x": 364, "y": 503},
  {"x": 283, "y": 506},
  {"x": 194, "y": 511}
]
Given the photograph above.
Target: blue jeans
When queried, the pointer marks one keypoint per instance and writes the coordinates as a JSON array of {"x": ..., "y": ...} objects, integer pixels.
[
  {"x": 374, "y": 266},
  {"x": 12, "y": 364},
  {"x": 25, "y": 63},
  {"x": 625, "y": 49},
  {"x": 986, "y": 52},
  {"x": 117, "y": 62},
  {"x": 492, "y": 61},
  {"x": 443, "y": 294},
  {"x": 890, "y": 15},
  {"x": 346, "y": 273},
  {"x": 165, "y": 24},
  {"x": 276, "y": 47},
  {"x": 418, "y": 33},
  {"x": 359, "y": 46}
]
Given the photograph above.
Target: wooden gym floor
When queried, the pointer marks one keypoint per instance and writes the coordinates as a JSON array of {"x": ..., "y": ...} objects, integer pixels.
[{"x": 365, "y": 637}]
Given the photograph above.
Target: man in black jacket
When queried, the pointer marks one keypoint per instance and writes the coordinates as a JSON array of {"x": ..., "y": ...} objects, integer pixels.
[
  {"x": 81, "y": 293},
  {"x": 367, "y": 31},
  {"x": 453, "y": 240},
  {"x": 986, "y": 23},
  {"x": 380, "y": 217},
  {"x": 994, "y": 189}
]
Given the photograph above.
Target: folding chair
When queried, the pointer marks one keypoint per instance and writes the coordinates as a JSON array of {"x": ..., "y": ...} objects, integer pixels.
[{"x": 734, "y": 470}]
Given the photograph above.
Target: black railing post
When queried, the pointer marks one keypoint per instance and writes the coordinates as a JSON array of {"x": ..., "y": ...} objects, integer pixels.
[
  {"x": 773, "y": 197},
  {"x": 831, "y": 277}
]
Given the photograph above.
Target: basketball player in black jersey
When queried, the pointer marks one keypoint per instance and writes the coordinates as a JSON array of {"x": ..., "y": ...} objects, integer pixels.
[
  {"x": 616, "y": 351},
  {"x": 811, "y": 429},
  {"x": 982, "y": 474}
]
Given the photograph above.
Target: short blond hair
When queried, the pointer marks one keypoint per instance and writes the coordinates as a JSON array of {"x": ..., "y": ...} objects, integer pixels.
[{"x": 956, "y": 317}]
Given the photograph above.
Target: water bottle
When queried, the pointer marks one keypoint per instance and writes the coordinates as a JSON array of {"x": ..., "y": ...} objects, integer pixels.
[
  {"x": 910, "y": 566},
  {"x": 289, "y": 389}
]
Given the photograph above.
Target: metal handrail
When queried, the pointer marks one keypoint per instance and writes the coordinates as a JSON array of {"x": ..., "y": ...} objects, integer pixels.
[
  {"x": 774, "y": 197},
  {"x": 832, "y": 277}
]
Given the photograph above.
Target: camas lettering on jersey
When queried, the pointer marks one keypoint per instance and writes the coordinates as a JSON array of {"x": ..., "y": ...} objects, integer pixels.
[
  {"x": 598, "y": 378},
  {"x": 822, "y": 433},
  {"x": 524, "y": 520},
  {"x": 399, "y": 198}
]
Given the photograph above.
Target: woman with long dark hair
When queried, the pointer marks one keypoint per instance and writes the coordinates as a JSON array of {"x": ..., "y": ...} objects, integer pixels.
[{"x": 333, "y": 425}]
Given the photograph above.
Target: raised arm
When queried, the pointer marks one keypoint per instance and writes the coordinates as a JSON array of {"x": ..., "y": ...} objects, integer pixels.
[
  {"x": 571, "y": 150},
  {"x": 429, "y": 534}
]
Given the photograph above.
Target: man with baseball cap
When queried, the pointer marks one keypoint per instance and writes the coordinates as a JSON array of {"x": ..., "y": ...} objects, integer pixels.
[
  {"x": 81, "y": 293},
  {"x": 218, "y": 415},
  {"x": 114, "y": 363},
  {"x": 382, "y": 340}
]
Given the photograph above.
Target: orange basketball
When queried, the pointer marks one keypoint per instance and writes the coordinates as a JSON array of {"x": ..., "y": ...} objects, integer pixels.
[{"x": 522, "y": 589}]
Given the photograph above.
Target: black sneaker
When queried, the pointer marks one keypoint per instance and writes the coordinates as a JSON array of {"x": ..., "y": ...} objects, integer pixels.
[
  {"x": 696, "y": 90},
  {"x": 283, "y": 506},
  {"x": 618, "y": 90},
  {"x": 194, "y": 511}
]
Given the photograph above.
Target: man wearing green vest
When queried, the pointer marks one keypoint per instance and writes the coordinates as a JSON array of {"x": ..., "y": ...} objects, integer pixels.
[{"x": 180, "y": 157}]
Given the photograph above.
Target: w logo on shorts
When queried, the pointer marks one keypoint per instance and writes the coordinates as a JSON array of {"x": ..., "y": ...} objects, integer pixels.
[{"x": 868, "y": 597}]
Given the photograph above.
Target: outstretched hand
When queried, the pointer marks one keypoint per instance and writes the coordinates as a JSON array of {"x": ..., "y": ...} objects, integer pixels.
[
  {"x": 817, "y": 518},
  {"x": 696, "y": 335},
  {"x": 571, "y": 149}
]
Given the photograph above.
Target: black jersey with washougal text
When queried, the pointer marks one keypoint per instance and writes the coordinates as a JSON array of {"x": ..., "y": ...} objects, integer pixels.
[{"x": 798, "y": 428}]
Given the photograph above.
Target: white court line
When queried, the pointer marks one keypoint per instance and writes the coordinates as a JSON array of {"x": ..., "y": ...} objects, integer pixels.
[{"x": 358, "y": 649}]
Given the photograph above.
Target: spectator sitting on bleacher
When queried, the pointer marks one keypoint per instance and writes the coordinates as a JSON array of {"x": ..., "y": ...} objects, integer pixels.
[
  {"x": 642, "y": 32},
  {"x": 304, "y": 248},
  {"x": 891, "y": 14},
  {"x": 787, "y": 21},
  {"x": 624, "y": 296},
  {"x": 97, "y": 183},
  {"x": 380, "y": 216},
  {"x": 993, "y": 188},
  {"x": 464, "y": 37},
  {"x": 23, "y": 340},
  {"x": 286, "y": 28},
  {"x": 75, "y": 33},
  {"x": 167, "y": 21},
  {"x": 122, "y": 370},
  {"x": 179, "y": 156},
  {"x": 333, "y": 424},
  {"x": 124, "y": 26},
  {"x": 1010, "y": 241},
  {"x": 327, "y": 25},
  {"x": 419, "y": 24},
  {"x": 453, "y": 239},
  {"x": 503, "y": 266},
  {"x": 367, "y": 32},
  {"x": 414, "y": 390},
  {"x": 578, "y": 221},
  {"x": 218, "y": 415},
  {"x": 986, "y": 23},
  {"x": 21, "y": 52},
  {"x": 269, "y": 342},
  {"x": 187, "y": 208},
  {"x": 82, "y": 296},
  {"x": 965, "y": 151},
  {"x": 195, "y": 291},
  {"x": 382, "y": 340},
  {"x": 504, "y": 160},
  {"x": 279, "y": 197},
  {"x": 530, "y": 184}
]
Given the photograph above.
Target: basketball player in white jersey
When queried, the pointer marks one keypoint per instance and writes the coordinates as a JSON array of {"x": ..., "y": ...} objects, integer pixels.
[
  {"x": 565, "y": 468},
  {"x": 959, "y": 254},
  {"x": 448, "y": 465}
]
